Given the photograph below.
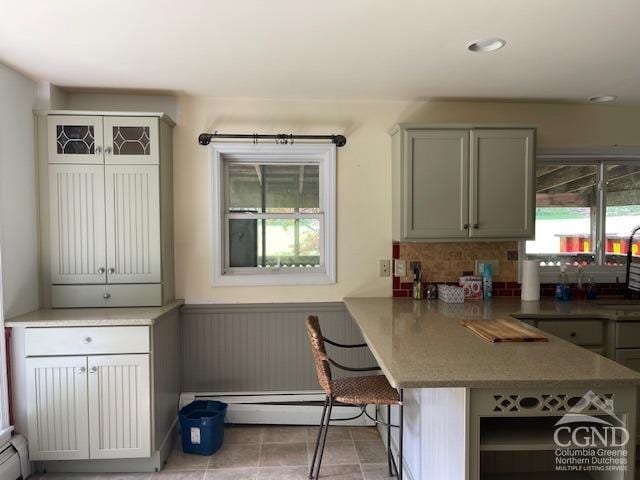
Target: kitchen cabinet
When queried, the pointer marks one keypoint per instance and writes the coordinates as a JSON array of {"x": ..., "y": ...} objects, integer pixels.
[
  {"x": 83, "y": 405},
  {"x": 462, "y": 182},
  {"x": 106, "y": 209}
]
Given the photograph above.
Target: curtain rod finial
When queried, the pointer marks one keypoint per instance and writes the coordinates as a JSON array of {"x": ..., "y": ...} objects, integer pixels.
[
  {"x": 340, "y": 140},
  {"x": 204, "y": 139}
]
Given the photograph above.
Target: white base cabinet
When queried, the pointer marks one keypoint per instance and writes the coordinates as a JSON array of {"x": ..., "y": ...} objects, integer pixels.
[{"x": 82, "y": 405}]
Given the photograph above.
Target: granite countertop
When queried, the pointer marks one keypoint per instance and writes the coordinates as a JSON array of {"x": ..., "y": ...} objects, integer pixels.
[
  {"x": 100, "y": 317},
  {"x": 421, "y": 344}
]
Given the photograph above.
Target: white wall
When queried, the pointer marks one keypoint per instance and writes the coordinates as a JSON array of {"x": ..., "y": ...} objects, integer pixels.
[
  {"x": 364, "y": 175},
  {"x": 18, "y": 215},
  {"x": 121, "y": 102}
]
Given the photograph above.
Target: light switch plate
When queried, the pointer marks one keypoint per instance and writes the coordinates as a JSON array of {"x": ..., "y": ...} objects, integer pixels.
[
  {"x": 385, "y": 268},
  {"x": 400, "y": 268},
  {"x": 495, "y": 266}
]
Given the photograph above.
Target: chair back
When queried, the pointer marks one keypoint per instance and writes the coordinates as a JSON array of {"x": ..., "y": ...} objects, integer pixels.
[{"x": 320, "y": 358}]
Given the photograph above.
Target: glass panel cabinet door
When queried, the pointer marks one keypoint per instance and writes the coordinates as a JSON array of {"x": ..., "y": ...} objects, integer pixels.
[
  {"x": 75, "y": 139},
  {"x": 131, "y": 140}
]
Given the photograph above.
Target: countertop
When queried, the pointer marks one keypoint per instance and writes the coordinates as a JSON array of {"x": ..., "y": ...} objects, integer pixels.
[
  {"x": 421, "y": 344},
  {"x": 101, "y": 317}
]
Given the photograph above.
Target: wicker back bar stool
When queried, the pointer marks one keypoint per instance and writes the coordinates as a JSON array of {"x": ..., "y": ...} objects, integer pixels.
[{"x": 359, "y": 391}]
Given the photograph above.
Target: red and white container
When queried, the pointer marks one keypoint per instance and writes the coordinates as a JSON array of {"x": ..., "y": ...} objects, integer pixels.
[{"x": 471, "y": 286}]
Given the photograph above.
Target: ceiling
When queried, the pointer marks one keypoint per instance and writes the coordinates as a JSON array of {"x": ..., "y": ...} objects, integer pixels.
[{"x": 564, "y": 50}]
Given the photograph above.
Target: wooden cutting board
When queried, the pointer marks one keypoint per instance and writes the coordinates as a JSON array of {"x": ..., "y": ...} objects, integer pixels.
[{"x": 501, "y": 330}]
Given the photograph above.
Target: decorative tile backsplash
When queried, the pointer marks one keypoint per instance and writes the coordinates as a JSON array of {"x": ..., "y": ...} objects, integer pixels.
[{"x": 446, "y": 262}]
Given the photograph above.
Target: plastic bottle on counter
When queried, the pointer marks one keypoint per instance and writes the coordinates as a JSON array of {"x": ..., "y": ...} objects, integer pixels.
[{"x": 487, "y": 281}]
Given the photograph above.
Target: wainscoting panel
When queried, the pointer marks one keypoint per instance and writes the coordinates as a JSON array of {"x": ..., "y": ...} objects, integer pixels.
[{"x": 261, "y": 347}]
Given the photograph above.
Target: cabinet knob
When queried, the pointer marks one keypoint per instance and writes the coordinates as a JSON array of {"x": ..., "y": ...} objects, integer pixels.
[
  {"x": 476, "y": 226},
  {"x": 572, "y": 334},
  {"x": 107, "y": 150},
  {"x": 101, "y": 271},
  {"x": 87, "y": 340},
  {"x": 81, "y": 370},
  {"x": 98, "y": 149},
  {"x": 466, "y": 226},
  {"x": 93, "y": 369},
  {"x": 111, "y": 271},
  {"x": 106, "y": 296}
]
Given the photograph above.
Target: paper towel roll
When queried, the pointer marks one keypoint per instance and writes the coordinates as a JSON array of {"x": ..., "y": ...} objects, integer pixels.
[{"x": 530, "y": 280}]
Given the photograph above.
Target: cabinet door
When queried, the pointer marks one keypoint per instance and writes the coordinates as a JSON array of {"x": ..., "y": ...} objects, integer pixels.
[
  {"x": 629, "y": 357},
  {"x": 133, "y": 224},
  {"x": 119, "y": 406},
  {"x": 131, "y": 140},
  {"x": 57, "y": 408},
  {"x": 77, "y": 224},
  {"x": 502, "y": 199},
  {"x": 436, "y": 177},
  {"x": 75, "y": 139}
]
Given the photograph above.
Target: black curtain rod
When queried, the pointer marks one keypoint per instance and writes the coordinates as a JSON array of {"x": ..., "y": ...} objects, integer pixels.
[{"x": 206, "y": 138}]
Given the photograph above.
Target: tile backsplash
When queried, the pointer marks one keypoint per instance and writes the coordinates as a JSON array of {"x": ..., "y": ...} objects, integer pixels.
[{"x": 446, "y": 262}]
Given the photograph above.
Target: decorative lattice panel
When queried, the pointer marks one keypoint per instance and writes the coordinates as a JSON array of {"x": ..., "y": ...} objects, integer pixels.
[
  {"x": 549, "y": 402},
  {"x": 75, "y": 139},
  {"x": 131, "y": 141}
]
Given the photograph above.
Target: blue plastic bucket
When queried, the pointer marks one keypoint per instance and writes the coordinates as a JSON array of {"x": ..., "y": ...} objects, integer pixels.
[{"x": 202, "y": 426}]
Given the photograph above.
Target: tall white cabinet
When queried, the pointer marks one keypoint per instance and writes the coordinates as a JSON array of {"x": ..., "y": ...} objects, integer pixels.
[
  {"x": 106, "y": 208},
  {"x": 463, "y": 182}
]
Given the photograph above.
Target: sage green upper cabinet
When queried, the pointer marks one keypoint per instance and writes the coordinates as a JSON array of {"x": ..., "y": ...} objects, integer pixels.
[
  {"x": 502, "y": 198},
  {"x": 462, "y": 182},
  {"x": 436, "y": 179}
]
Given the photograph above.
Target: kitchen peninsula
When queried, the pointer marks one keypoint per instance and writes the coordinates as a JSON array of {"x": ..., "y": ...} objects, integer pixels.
[{"x": 475, "y": 409}]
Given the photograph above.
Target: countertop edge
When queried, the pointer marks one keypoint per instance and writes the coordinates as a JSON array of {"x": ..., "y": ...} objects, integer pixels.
[{"x": 79, "y": 321}]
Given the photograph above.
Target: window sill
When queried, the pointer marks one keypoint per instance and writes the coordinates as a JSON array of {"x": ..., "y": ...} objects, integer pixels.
[{"x": 229, "y": 280}]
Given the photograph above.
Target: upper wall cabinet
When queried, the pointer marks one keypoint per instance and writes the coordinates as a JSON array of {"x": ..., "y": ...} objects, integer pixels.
[
  {"x": 462, "y": 182},
  {"x": 106, "y": 203}
]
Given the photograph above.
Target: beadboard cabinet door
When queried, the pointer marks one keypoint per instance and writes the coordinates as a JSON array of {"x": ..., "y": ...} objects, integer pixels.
[
  {"x": 131, "y": 141},
  {"x": 119, "y": 406},
  {"x": 502, "y": 182},
  {"x": 133, "y": 224},
  {"x": 77, "y": 224},
  {"x": 57, "y": 408},
  {"x": 436, "y": 176},
  {"x": 75, "y": 139}
]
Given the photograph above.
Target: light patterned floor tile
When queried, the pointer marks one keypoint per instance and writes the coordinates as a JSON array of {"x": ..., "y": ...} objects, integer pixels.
[
  {"x": 179, "y": 460},
  {"x": 179, "y": 475},
  {"x": 284, "y": 434},
  {"x": 284, "y": 454},
  {"x": 371, "y": 451},
  {"x": 365, "y": 433},
  {"x": 336, "y": 434},
  {"x": 232, "y": 474},
  {"x": 242, "y": 435},
  {"x": 339, "y": 453},
  {"x": 375, "y": 471},
  {"x": 328, "y": 472},
  {"x": 236, "y": 456}
]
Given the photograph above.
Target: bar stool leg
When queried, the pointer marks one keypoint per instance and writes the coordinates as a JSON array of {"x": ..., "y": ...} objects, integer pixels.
[
  {"x": 389, "y": 459},
  {"x": 320, "y": 429},
  {"x": 324, "y": 438}
]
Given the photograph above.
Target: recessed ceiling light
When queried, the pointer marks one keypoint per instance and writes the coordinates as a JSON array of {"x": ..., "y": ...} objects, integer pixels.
[
  {"x": 602, "y": 98},
  {"x": 487, "y": 45}
]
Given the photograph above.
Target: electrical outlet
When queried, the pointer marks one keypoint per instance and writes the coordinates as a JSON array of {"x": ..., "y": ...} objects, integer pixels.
[
  {"x": 495, "y": 266},
  {"x": 400, "y": 268},
  {"x": 385, "y": 268}
]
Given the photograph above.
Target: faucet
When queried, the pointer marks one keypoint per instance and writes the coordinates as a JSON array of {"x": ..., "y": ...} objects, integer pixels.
[{"x": 635, "y": 274}]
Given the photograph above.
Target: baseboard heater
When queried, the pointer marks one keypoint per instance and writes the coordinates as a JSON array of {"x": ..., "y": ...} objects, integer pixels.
[
  {"x": 278, "y": 408},
  {"x": 13, "y": 459}
]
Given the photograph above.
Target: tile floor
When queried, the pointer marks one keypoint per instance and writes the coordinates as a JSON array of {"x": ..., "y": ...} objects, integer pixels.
[{"x": 271, "y": 453}]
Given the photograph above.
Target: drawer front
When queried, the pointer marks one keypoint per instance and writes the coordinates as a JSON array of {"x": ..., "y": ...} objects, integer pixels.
[
  {"x": 86, "y": 340},
  {"x": 87, "y": 296},
  {"x": 579, "y": 332},
  {"x": 628, "y": 335}
]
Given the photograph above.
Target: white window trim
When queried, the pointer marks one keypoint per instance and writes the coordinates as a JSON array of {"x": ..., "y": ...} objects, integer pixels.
[
  {"x": 322, "y": 154},
  {"x": 578, "y": 156}
]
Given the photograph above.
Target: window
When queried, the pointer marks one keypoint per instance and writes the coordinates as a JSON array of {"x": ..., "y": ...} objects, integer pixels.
[
  {"x": 273, "y": 214},
  {"x": 585, "y": 212}
]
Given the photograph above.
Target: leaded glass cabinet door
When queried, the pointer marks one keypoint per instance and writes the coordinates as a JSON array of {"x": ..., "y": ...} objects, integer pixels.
[
  {"x": 75, "y": 139},
  {"x": 133, "y": 223},
  {"x": 77, "y": 224},
  {"x": 131, "y": 140}
]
